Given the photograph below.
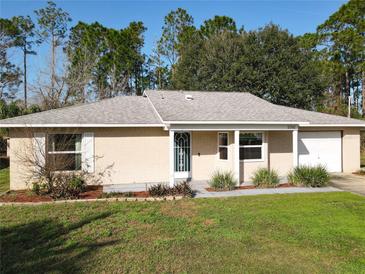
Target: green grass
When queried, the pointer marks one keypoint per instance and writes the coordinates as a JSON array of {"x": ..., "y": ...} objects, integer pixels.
[
  {"x": 296, "y": 233},
  {"x": 4, "y": 180}
]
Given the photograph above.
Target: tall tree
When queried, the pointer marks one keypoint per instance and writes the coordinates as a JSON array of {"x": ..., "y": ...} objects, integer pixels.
[
  {"x": 24, "y": 39},
  {"x": 53, "y": 27},
  {"x": 106, "y": 62},
  {"x": 9, "y": 73},
  {"x": 268, "y": 62},
  {"x": 217, "y": 25},
  {"x": 341, "y": 42},
  {"x": 177, "y": 25},
  {"x": 158, "y": 71}
]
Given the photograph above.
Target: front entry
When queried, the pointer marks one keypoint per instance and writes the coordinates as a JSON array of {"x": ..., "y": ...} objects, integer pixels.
[{"x": 182, "y": 155}]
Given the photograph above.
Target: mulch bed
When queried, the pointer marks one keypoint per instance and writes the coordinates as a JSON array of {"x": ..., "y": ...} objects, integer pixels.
[
  {"x": 23, "y": 196},
  {"x": 209, "y": 189},
  {"x": 27, "y": 196},
  {"x": 92, "y": 192}
]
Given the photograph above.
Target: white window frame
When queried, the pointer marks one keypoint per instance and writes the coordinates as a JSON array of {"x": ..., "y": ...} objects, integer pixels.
[
  {"x": 219, "y": 146},
  {"x": 65, "y": 151},
  {"x": 261, "y": 146}
]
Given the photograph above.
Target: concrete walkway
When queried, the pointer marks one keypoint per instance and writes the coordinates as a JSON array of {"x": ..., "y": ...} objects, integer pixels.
[
  {"x": 201, "y": 192},
  {"x": 349, "y": 182}
]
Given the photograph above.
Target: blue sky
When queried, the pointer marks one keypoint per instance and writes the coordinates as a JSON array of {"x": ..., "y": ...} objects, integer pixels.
[{"x": 298, "y": 17}]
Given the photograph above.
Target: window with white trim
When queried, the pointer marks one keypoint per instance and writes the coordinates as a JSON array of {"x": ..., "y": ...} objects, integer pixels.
[
  {"x": 64, "y": 151},
  {"x": 223, "y": 145},
  {"x": 251, "y": 146}
]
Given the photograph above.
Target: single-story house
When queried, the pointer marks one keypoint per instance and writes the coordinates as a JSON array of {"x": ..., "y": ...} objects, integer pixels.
[{"x": 164, "y": 136}]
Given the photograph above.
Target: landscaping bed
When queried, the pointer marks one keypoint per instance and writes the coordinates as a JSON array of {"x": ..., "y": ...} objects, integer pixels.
[
  {"x": 27, "y": 196},
  {"x": 96, "y": 192},
  {"x": 210, "y": 189}
]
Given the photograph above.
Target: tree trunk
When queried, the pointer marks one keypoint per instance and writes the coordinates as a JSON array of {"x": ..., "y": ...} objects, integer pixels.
[
  {"x": 347, "y": 91},
  {"x": 25, "y": 74},
  {"x": 53, "y": 63},
  {"x": 363, "y": 93}
]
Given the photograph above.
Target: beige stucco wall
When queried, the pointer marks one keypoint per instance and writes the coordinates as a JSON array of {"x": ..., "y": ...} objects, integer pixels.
[
  {"x": 132, "y": 155},
  {"x": 351, "y": 150},
  {"x": 20, "y": 157},
  {"x": 123, "y": 155},
  {"x": 141, "y": 155},
  {"x": 281, "y": 151},
  {"x": 205, "y": 157}
]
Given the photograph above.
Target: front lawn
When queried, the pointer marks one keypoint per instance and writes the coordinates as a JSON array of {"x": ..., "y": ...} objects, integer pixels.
[
  {"x": 4, "y": 180},
  {"x": 296, "y": 233}
]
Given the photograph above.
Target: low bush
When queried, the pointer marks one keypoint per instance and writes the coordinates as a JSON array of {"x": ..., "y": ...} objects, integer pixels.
[
  {"x": 162, "y": 190},
  {"x": 222, "y": 181},
  {"x": 62, "y": 186},
  {"x": 264, "y": 177},
  {"x": 309, "y": 176}
]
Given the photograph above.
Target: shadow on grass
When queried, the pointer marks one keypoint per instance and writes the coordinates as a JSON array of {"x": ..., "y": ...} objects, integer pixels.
[{"x": 39, "y": 247}]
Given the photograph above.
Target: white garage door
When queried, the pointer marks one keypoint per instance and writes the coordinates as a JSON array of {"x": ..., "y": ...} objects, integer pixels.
[{"x": 321, "y": 148}]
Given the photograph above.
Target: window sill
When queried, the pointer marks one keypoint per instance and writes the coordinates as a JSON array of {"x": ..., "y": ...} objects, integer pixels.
[{"x": 252, "y": 161}]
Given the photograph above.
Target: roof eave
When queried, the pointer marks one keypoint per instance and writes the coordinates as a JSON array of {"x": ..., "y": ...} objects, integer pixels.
[
  {"x": 239, "y": 122},
  {"x": 78, "y": 125},
  {"x": 332, "y": 125}
]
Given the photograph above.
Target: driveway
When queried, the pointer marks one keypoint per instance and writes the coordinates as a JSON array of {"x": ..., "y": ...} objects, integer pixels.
[{"x": 349, "y": 182}]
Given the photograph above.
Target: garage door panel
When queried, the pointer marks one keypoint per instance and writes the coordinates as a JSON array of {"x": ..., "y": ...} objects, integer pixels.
[{"x": 320, "y": 148}]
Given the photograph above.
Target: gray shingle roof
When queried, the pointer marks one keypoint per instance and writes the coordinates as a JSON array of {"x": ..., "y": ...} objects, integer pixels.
[
  {"x": 233, "y": 106},
  {"x": 173, "y": 106},
  {"x": 117, "y": 110},
  {"x": 321, "y": 118}
]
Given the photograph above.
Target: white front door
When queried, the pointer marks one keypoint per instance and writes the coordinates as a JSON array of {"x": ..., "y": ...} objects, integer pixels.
[
  {"x": 321, "y": 148},
  {"x": 182, "y": 155}
]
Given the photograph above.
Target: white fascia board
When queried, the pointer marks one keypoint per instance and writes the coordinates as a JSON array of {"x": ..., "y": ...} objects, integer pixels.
[
  {"x": 79, "y": 125},
  {"x": 236, "y": 122},
  {"x": 332, "y": 125},
  {"x": 229, "y": 127}
]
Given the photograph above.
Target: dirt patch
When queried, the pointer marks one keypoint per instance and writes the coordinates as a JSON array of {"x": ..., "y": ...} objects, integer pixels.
[
  {"x": 185, "y": 210},
  {"x": 209, "y": 189},
  {"x": 209, "y": 222}
]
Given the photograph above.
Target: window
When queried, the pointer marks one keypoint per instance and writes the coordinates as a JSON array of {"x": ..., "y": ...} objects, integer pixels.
[
  {"x": 223, "y": 145},
  {"x": 251, "y": 146},
  {"x": 64, "y": 151}
]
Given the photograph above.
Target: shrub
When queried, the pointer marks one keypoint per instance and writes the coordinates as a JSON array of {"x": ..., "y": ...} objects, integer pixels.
[
  {"x": 62, "y": 186},
  {"x": 36, "y": 188},
  {"x": 158, "y": 190},
  {"x": 309, "y": 176},
  {"x": 222, "y": 181},
  {"x": 264, "y": 177},
  {"x": 183, "y": 189},
  {"x": 161, "y": 190}
]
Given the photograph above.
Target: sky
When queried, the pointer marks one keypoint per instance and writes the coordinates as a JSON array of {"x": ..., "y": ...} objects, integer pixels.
[{"x": 298, "y": 17}]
